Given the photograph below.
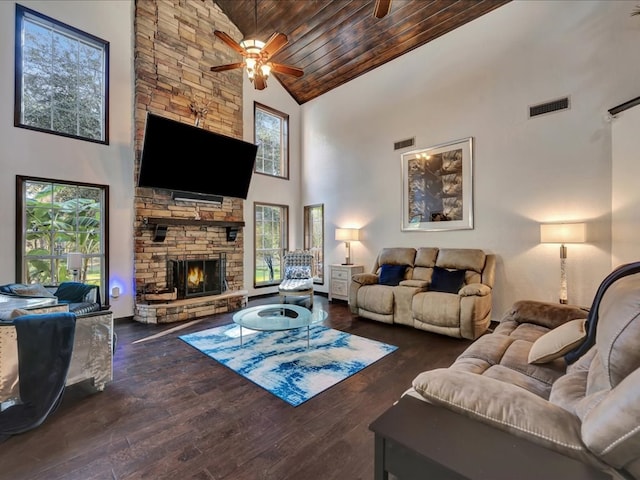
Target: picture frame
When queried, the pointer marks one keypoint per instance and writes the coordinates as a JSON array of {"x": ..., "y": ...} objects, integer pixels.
[{"x": 437, "y": 187}]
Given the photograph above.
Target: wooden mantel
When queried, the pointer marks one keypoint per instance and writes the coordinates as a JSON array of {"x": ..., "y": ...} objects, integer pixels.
[
  {"x": 191, "y": 221},
  {"x": 162, "y": 223}
]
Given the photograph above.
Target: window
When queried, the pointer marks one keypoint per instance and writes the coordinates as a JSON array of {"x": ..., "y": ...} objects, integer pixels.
[
  {"x": 60, "y": 78},
  {"x": 271, "y": 134},
  {"x": 271, "y": 241},
  {"x": 54, "y": 219},
  {"x": 314, "y": 239}
]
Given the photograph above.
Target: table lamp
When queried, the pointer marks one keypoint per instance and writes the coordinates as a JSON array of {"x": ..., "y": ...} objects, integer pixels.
[
  {"x": 563, "y": 233},
  {"x": 347, "y": 235},
  {"x": 74, "y": 263}
]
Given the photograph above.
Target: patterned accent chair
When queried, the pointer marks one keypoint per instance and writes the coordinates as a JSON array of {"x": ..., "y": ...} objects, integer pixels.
[{"x": 297, "y": 278}]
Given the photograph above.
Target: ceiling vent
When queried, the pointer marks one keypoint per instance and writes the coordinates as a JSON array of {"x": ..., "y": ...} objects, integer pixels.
[
  {"x": 409, "y": 142},
  {"x": 549, "y": 107}
]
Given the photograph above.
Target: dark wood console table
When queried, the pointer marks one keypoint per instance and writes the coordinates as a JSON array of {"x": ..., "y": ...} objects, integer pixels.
[{"x": 416, "y": 440}]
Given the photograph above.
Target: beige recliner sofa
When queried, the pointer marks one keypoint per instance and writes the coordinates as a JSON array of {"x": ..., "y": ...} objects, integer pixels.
[
  {"x": 460, "y": 308},
  {"x": 550, "y": 377}
]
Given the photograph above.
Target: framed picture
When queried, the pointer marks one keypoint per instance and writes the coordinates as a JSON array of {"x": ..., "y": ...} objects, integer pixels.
[{"x": 437, "y": 187}]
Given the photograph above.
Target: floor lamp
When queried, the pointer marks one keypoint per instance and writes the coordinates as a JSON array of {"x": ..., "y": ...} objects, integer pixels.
[
  {"x": 74, "y": 263},
  {"x": 347, "y": 235},
  {"x": 563, "y": 233}
]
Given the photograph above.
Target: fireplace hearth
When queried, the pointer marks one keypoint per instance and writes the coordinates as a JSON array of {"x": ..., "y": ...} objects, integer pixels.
[{"x": 197, "y": 277}]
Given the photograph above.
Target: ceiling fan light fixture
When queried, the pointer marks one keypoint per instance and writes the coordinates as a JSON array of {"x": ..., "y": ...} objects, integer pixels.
[
  {"x": 256, "y": 56},
  {"x": 252, "y": 46}
]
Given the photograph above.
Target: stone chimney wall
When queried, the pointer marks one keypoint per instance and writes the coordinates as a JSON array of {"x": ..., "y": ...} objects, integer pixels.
[{"x": 174, "y": 50}]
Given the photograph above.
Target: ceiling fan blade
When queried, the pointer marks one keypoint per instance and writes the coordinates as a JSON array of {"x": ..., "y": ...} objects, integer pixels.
[
  {"x": 275, "y": 43},
  {"x": 230, "y": 66},
  {"x": 382, "y": 8},
  {"x": 286, "y": 69},
  {"x": 229, "y": 41}
]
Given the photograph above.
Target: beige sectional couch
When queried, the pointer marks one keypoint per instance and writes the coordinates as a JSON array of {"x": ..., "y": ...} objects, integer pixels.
[
  {"x": 549, "y": 376},
  {"x": 441, "y": 290}
]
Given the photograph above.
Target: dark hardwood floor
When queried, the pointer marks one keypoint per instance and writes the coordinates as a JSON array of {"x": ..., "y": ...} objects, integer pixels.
[{"x": 173, "y": 413}]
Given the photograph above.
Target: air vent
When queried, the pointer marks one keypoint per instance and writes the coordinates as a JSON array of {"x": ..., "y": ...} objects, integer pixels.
[
  {"x": 549, "y": 107},
  {"x": 409, "y": 142}
]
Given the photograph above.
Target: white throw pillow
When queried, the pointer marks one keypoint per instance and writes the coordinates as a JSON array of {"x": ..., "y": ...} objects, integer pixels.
[{"x": 557, "y": 342}]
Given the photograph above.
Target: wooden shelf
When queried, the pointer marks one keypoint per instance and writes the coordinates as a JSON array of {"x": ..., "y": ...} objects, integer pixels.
[{"x": 191, "y": 221}]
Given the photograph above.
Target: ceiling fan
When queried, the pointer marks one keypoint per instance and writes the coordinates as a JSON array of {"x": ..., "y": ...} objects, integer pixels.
[
  {"x": 382, "y": 8},
  {"x": 256, "y": 58}
]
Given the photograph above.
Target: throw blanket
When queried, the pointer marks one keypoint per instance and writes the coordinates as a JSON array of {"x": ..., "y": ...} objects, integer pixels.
[{"x": 45, "y": 344}]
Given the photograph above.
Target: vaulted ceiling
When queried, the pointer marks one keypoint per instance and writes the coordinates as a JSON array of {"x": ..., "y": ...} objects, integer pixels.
[{"x": 335, "y": 41}]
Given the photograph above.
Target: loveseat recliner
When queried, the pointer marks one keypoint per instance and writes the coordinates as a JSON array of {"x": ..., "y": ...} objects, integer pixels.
[
  {"x": 557, "y": 376},
  {"x": 441, "y": 290}
]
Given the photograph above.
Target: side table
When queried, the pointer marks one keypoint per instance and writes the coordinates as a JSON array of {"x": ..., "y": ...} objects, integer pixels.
[{"x": 340, "y": 280}]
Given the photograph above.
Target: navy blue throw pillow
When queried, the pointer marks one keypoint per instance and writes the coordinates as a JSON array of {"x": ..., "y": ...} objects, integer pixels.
[
  {"x": 391, "y": 275},
  {"x": 446, "y": 281}
]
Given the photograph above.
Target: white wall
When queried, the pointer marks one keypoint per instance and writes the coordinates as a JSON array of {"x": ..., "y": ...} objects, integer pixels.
[
  {"x": 25, "y": 152},
  {"x": 479, "y": 81},
  {"x": 625, "y": 203},
  {"x": 266, "y": 189}
]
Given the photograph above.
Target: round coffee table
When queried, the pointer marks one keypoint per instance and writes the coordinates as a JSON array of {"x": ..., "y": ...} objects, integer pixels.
[{"x": 275, "y": 317}]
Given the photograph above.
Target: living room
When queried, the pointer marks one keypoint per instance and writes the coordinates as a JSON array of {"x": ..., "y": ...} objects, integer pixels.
[
  {"x": 476, "y": 82},
  {"x": 526, "y": 171}
]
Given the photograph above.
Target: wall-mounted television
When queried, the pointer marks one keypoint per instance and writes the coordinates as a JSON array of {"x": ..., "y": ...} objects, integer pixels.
[{"x": 185, "y": 158}]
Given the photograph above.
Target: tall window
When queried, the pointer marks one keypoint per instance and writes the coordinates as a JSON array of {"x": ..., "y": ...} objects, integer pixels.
[
  {"x": 54, "y": 219},
  {"x": 60, "y": 78},
  {"x": 314, "y": 238},
  {"x": 271, "y": 242},
  {"x": 271, "y": 134}
]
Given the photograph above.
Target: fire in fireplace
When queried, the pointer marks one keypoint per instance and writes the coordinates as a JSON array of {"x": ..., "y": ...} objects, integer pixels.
[{"x": 196, "y": 277}]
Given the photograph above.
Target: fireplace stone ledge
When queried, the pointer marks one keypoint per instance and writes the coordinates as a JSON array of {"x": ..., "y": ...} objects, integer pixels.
[{"x": 190, "y": 308}]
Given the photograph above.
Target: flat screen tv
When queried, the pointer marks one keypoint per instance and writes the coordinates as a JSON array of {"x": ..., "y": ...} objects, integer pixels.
[{"x": 185, "y": 158}]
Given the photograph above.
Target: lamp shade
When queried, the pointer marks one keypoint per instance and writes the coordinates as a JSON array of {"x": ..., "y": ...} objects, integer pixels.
[
  {"x": 74, "y": 260},
  {"x": 562, "y": 233},
  {"x": 347, "y": 234}
]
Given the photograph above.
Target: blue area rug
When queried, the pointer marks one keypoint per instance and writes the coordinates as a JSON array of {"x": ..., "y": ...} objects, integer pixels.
[{"x": 280, "y": 362}]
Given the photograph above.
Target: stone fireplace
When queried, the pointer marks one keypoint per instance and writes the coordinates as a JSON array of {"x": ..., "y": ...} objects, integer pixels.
[{"x": 173, "y": 54}]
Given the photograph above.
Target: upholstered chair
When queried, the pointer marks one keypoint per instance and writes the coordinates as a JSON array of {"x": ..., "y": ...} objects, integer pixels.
[{"x": 297, "y": 277}]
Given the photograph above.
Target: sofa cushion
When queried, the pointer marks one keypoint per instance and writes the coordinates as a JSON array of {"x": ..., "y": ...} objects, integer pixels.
[
  {"x": 448, "y": 281},
  {"x": 555, "y": 343},
  {"x": 377, "y": 299},
  {"x": 397, "y": 256},
  {"x": 392, "y": 275},
  {"x": 436, "y": 308},
  {"x": 462, "y": 259}
]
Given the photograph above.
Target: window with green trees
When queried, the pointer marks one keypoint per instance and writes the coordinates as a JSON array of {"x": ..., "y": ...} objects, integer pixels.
[
  {"x": 271, "y": 134},
  {"x": 314, "y": 238},
  {"x": 55, "y": 219},
  {"x": 61, "y": 77},
  {"x": 271, "y": 242}
]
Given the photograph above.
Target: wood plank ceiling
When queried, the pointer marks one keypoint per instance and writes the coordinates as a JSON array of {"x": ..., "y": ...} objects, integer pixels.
[{"x": 335, "y": 41}]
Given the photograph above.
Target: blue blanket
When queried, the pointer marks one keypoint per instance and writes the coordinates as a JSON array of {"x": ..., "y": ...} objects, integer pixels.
[{"x": 45, "y": 344}]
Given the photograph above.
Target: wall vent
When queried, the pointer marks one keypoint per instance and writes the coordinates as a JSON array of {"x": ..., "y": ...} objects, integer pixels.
[
  {"x": 409, "y": 142},
  {"x": 549, "y": 107}
]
